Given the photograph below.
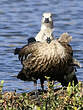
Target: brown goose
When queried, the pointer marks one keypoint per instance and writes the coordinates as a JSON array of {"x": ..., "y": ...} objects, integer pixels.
[{"x": 53, "y": 59}]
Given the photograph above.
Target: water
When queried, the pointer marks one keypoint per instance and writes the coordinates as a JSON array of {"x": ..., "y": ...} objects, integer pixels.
[{"x": 21, "y": 19}]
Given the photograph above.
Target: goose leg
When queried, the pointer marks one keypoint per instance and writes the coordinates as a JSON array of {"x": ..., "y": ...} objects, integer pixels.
[
  {"x": 42, "y": 84},
  {"x": 36, "y": 91}
]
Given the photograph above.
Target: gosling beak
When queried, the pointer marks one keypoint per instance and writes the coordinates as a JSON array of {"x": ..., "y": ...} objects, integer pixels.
[{"x": 48, "y": 40}]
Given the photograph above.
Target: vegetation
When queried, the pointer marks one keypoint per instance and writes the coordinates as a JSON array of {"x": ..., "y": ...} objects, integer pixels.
[{"x": 70, "y": 98}]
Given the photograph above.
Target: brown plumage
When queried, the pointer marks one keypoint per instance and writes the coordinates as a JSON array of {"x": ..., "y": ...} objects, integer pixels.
[
  {"x": 66, "y": 38},
  {"x": 52, "y": 59}
]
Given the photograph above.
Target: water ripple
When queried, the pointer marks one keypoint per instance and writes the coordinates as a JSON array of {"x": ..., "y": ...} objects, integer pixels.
[{"x": 21, "y": 19}]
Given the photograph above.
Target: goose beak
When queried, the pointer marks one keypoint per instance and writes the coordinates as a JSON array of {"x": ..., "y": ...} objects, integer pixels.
[{"x": 46, "y": 20}]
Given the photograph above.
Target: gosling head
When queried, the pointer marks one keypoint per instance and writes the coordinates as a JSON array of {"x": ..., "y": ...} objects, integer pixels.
[{"x": 47, "y": 21}]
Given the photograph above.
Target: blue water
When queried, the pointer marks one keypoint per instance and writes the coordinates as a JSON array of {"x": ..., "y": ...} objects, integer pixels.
[{"x": 21, "y": 19}]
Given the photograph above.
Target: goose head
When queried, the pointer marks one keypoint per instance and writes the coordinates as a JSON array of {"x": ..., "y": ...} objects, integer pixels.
[{"x": 47, "y": 21}]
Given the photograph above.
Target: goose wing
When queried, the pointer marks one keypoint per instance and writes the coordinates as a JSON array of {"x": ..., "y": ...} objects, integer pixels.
[
  {"x": 65, "y": 37},
  {"x": 26, "y": 51}
]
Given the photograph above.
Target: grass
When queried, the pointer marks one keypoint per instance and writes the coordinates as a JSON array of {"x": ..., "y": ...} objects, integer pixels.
[{"x": 70, "y": 98}]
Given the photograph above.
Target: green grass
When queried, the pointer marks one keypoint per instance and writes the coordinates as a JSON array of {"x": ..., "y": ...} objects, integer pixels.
[{"x": 70, "y": 98}]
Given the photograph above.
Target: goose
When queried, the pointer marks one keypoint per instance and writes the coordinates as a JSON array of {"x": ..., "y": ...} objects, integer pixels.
[
  {"x": 30, "y": 56},
  {"x": 52, "y": 58}
]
